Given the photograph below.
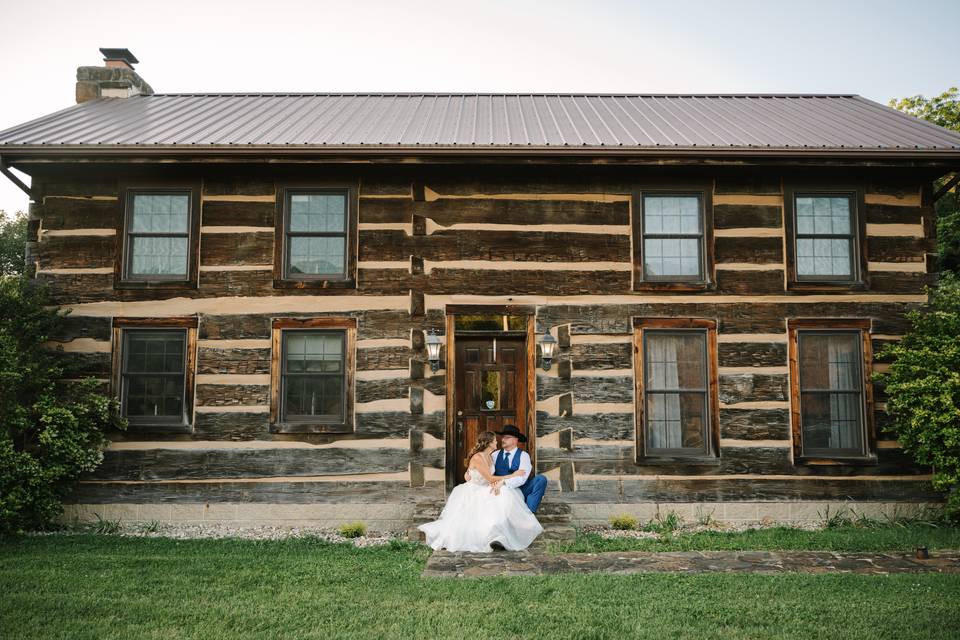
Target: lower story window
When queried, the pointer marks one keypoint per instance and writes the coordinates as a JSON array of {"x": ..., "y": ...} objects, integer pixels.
[
  {"x": 313, "y": 381},
  {"x": 830, "y": 407},
  {"x": 154, "y": 371},
  {"x": 675, "y": 406},
  {"x": 312, "y": 371}
]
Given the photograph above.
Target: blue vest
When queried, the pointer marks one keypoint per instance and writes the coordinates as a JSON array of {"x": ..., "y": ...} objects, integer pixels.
[{"x": 500, "y": 467}]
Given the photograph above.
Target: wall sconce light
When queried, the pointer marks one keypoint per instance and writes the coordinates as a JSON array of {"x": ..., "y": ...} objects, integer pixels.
[
  {"x": 547, "y": 346},
  {"x": 433, "y": 342}
]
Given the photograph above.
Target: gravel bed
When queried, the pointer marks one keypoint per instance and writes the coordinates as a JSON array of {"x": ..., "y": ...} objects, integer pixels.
[
  {"x": 216, "y": 531},
  {"x": 606, "y": 532}
]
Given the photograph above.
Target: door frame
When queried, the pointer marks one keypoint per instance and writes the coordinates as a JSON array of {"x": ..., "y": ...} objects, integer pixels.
[{"x": 530, "y": 342}]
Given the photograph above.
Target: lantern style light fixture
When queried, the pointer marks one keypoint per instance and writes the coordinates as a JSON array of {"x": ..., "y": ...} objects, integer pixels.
[
  {"x": 548, "y": 345},
  {"x": 433, "y": 342}
]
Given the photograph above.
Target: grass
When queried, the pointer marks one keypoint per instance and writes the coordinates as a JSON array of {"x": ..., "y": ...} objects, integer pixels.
[
  {"x": 891, "y": 538},
  {"x": 89, "y": 586}
]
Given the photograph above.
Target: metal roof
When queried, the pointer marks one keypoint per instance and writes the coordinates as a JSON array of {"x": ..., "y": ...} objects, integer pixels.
[{"x": 425, "y": 122}]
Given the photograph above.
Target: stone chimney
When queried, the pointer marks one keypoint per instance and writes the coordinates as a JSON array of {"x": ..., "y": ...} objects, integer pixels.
[{"x": 115, "y": 79}]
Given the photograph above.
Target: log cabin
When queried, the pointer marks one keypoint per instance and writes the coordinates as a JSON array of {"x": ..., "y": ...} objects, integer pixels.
[{"x": 308, "y": 305}]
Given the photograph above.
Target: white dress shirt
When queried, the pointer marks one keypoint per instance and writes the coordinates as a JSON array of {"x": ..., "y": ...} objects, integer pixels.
[{"x": 525, "y": 465}]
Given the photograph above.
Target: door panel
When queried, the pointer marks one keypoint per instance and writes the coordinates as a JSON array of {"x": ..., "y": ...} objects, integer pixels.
[{"x": 490, "y": 390}]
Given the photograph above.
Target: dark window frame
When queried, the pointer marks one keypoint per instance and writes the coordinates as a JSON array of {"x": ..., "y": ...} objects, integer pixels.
[
  {"x": 707, "y": 279},
  {"x": 796, "y": 327},
  {"x": 123, "y": 279},
  {"x": 711, "y": 451},
  {"x": 281, "y": 259},
  {"x": 858, "y": 256},
  {"x": 279, "y": 421},
  {"x": 121, "y": 331}
]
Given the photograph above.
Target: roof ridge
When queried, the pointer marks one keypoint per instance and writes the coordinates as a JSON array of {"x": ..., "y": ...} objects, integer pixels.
[{"x": 492, "y": 93}]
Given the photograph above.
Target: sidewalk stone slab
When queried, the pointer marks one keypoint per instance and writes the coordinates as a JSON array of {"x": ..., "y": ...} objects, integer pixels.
[{"x": 534, "y": 562}]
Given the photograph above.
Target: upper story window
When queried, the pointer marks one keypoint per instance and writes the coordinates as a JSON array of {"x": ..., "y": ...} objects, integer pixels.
[
  {"x": 672, "y": 240},
  {"x": 831, "y": 394},
  {"x": 825, "y": 239},
  {"x": 159, "y": 239},
  {"x": 676, "y": 399},
  {"x": 154, "y": 371},
  {"x": 316, "y": 243},
  {"x": 313, "y": 374}
]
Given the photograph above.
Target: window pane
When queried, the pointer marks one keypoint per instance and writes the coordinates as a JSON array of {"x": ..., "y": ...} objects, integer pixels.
[
  {"x": 476, "y": 322},
  {"x": 676, "y": 420},
  {"x": 829, "y": 361},
  {"x": 823, "y": 214},
  {"x": 490, "y": 390},
  {"x": 318, "y": 212},
  {"x": 154, "y": 352},
  {"x": 671, "y": 257},
  {"x": 154, "y": 396},
  {"x": 317, "y": 255},
  {"x": 314, "y": 396},
  {"x": 163, "y": 213},
  {"x": 823, "y": 256},
  {"x": 831, "y": 421},
  {"x": 314, "y": 352},
  {"x": 158, "y": 256},
  {"x": 671, "y": 214},
  {"x": 675, "y": 361}
]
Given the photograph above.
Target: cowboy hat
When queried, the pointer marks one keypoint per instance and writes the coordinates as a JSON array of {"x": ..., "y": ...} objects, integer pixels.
[{"x": 510, "y": 430}]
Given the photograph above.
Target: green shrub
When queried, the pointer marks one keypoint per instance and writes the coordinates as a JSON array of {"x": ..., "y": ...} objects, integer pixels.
[
  {"x": 923, "y": 388},
  {"x": 624, "y": 522},
  {"x": 353, "y": 530},
  {"x": 51, "y": 429},
  {"x": 106, "y": 527}
]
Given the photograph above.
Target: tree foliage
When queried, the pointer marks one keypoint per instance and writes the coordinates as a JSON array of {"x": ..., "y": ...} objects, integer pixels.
[
  {"x": 51, "y": 429},
  {"x": 13, "y": 238},
  {"x": 942, "y": 110},
  {"x": 923, "y": 388}
]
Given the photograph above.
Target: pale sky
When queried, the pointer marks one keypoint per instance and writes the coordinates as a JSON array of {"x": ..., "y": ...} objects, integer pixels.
[{"x": 878, "y": 49}]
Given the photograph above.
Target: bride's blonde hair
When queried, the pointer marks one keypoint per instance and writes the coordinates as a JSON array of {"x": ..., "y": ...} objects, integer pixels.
[{"x": 484, "y": 438}]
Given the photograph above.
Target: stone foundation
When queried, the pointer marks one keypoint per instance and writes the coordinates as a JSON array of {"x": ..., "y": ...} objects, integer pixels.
[
  {"x": 377, "y": 517},
  {"x": 750, "y": 512},
  {"x": 399, "y": 516}
]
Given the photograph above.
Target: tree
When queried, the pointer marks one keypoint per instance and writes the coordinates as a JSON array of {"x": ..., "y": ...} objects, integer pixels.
[
  {"x": 923, "y": 388},
  {"x": 52, "y": 429},
  {"x": 13, "y": 239},
  {"x": 942, "y": 110}
]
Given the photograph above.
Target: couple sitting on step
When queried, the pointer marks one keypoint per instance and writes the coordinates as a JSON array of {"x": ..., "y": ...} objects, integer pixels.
[{"x": 494, "y": 508}]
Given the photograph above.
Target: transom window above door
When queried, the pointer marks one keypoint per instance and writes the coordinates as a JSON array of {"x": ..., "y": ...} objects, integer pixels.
[
  {"x": 672, "y": 239},
  {"x": 316, "y": 241}
]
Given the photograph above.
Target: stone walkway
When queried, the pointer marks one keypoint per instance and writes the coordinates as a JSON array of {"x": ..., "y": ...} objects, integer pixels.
[{"x": 443, "y": 564}]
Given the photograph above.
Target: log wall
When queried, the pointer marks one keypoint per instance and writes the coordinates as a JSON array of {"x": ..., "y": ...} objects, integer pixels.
[{"x": 559, "y": 240}]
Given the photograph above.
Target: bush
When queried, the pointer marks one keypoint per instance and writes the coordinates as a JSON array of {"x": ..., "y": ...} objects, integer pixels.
[
  {"x": 923, "y": 388},
  {"x": 51, "y": 429},
  {"x": 353, "y": 530},
  {"x": 624, "y": 522}
]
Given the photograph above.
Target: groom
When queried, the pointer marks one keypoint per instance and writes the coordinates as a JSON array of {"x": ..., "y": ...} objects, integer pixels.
[{"x": 509, "y": 458}]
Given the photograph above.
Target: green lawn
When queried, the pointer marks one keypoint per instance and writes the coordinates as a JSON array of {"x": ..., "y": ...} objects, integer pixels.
[
  {"x": 114, "y": 587},
  {"x": 892, "y": 538}
]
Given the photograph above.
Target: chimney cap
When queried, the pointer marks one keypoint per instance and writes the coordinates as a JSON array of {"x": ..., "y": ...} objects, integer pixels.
[{"x": 119, "y": 55}]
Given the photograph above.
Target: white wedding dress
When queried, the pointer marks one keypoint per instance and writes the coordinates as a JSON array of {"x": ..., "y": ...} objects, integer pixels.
[{"x": 474, "y": 517}]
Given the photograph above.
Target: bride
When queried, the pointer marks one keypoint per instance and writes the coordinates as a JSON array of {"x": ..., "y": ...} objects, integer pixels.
[{"x": 482, "y": 511}]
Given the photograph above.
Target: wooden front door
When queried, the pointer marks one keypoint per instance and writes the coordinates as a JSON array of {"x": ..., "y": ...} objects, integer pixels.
[{"x": 491, "y": 390}]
